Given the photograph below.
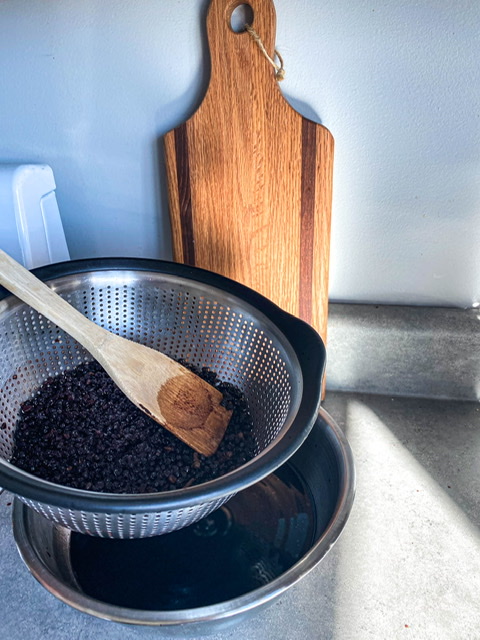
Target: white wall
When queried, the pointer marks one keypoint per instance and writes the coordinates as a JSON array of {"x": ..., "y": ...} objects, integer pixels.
[{"x": 90, "y": 87}]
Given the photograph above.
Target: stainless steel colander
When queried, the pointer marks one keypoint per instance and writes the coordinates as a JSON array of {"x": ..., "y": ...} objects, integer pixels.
[{"x": 274, "y": 358}]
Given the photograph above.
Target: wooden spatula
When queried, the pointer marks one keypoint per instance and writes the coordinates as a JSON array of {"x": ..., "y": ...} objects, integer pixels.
[
  {"x": 169, "y": 393},
  {"x": 249, "y": 178}
]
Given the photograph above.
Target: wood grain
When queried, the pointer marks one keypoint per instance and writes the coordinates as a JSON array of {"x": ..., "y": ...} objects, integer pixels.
[
  {"x": 250, "y": 179},
  {"x": 185, "y": 195}
]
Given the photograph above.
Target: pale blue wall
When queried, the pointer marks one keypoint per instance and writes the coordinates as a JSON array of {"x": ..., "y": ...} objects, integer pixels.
[{"x": 89, "y": 88}]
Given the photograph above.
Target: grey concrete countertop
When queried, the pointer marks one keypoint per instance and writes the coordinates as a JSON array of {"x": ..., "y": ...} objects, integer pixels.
[{"x": 406, "y": 566}]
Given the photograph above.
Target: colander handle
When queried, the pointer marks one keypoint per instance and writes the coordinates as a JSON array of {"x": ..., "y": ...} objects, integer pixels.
[{"x": 24, "y": 285}]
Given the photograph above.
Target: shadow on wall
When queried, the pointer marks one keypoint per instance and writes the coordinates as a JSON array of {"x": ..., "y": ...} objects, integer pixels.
[{"x": 302, "y": 108}]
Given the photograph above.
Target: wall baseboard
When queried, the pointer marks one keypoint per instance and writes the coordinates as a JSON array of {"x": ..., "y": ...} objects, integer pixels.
[{"x": 401, "y": 350}]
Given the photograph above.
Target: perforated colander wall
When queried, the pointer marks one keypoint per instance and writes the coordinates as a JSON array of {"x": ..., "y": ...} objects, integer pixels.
[{"x": 181, "y": 318}]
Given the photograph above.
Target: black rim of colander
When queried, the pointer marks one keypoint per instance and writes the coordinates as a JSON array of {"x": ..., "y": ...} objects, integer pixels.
[{"x": 311, "y": 355}]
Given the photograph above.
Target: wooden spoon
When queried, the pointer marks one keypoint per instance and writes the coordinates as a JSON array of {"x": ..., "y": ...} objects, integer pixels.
[{"x": 169, "y": 393}]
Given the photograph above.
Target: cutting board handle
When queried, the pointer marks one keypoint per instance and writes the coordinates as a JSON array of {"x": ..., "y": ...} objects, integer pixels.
[
  {"x": 231, "y": 50},
  {"x": 250, "y": 179}
]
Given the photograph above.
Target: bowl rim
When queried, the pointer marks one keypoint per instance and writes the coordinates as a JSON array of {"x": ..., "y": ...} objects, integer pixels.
[
  {"x": 305, "y": 343},
  {"x": 219, "y": 611}
]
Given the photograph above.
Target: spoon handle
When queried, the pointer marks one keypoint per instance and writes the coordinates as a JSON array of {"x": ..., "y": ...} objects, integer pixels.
[{"x": 27, "y": 287}]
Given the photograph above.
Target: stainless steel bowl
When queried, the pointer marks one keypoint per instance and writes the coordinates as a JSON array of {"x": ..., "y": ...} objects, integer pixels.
[{"x": 326, "y": 466}]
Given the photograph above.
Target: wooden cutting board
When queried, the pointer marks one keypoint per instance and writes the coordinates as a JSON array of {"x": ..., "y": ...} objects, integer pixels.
[{"x": 250, "y": 179}]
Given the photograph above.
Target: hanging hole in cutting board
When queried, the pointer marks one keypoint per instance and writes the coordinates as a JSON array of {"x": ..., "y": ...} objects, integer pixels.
[{"x": 240, "y": 16}]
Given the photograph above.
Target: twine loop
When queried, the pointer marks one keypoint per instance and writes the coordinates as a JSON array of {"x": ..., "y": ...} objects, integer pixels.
[{"x": 279, "y": 70}]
